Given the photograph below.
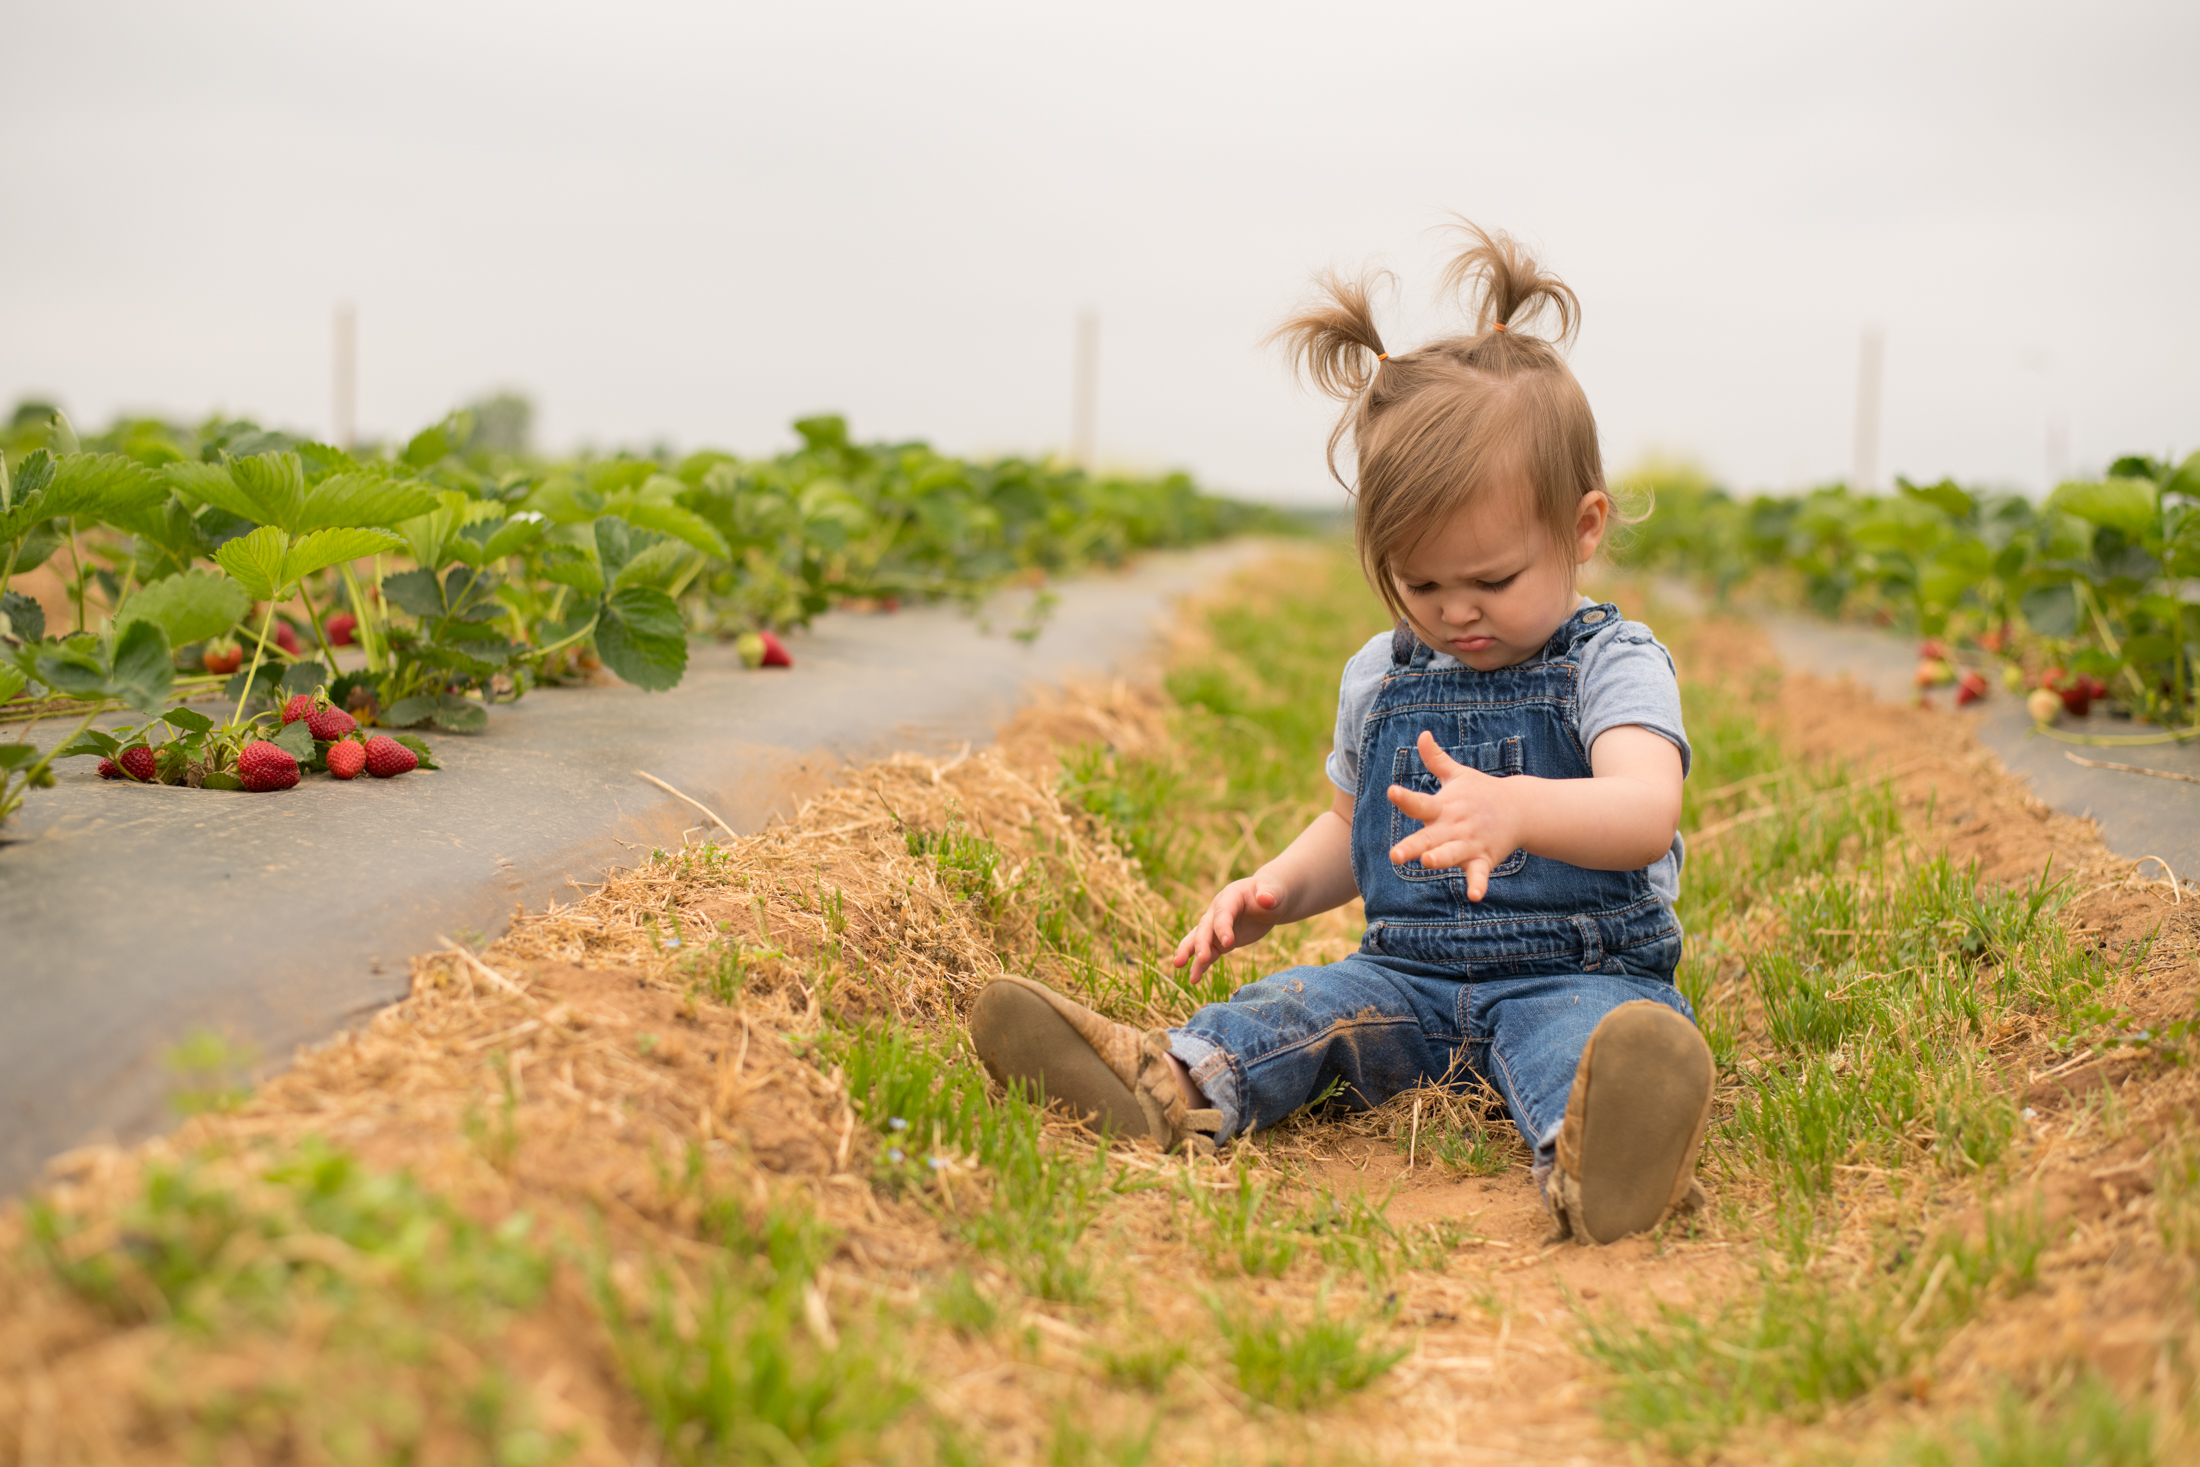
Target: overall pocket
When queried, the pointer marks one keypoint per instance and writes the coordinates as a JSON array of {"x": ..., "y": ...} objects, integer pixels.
[{"x": 1500, "y": 758}]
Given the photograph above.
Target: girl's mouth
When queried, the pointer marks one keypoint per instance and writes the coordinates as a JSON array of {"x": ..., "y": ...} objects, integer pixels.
[{"x": 1474, "y": 644}]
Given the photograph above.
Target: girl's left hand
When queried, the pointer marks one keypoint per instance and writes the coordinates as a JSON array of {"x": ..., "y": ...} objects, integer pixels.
[{"x": 1474, "y": 820}]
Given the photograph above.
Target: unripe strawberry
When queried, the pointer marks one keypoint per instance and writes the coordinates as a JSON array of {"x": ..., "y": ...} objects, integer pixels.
[
  {"x": 751, "y": 648},
  {"x": 137, "y": 762},
  {"x": 264, "y": 767},
  {"x": 330, "y": 723},
  {"x": 347, "y": 758},
  {"x": 2043, "y": 705},
  {"x": 298, "y": 707},
  {"x": 387, "y": 758}
]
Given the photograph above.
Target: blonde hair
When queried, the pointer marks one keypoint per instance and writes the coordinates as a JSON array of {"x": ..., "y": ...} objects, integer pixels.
[{"x": 1431, "y": 426}]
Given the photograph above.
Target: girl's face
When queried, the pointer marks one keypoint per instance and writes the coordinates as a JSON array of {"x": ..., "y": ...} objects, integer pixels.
[{"x": 1490, "y": 585}]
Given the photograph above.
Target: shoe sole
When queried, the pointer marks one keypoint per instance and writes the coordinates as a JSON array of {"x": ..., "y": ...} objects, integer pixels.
[
  {"x": 1649, "y": 1085},
  {"x": 1020, "y": 1036}
]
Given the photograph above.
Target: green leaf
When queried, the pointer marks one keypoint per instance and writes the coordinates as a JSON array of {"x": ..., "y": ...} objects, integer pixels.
[
  {"x": 256, "y": 561},
  {"x": 296, "y": 740},
  {"x": 514, "y": 535},
  {"x": 144, "y": 668},
  {"x": 321, "y": 549},
  {"x": 187, "y": 719},
  {"x": 415, "y": 591},
  {"x": 276, "y": 482},
  {"x": 2129, "y": 505},
  {"x": 91, "y": 741},
  {"x": 303, "y": 677},
  {"x": 191, "y": 607},
  {"x": 682, "y": 524},
  {"x": 409, "y": 712},
  {"x": 210, "y": 484},
  {"x": 2052, "y": 611},
  {"x": 13, "y": 680},
  {"x": 354, "y": 499},
  {"x": 1945, "y": 495},
  {"x": 222, "y": 781},
  {"x": 419, "y": 746},
  {"x": 2186, "y": 480},
  {"x": 26, "y": 617},
  {"x": 640, "y": 636},
  {"x": 657, "y": 566},
  {"x": 15, "y": 756},
  {"x": 614, "y": 546},
  {"x": 569, "y": 565}
]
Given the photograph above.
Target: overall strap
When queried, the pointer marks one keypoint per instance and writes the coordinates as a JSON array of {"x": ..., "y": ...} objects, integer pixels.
[
  {"x": 1582, "y": 625},
  {"x": 1406, "y": 649}
]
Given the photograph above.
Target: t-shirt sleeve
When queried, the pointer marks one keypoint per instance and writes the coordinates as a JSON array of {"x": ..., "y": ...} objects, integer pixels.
[
  {"x": 1355, "y": 695},
  {"x": 1627, "y": 677}
]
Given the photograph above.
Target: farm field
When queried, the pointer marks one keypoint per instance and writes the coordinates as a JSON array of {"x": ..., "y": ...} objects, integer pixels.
[{"x": 697, "y": 1168}]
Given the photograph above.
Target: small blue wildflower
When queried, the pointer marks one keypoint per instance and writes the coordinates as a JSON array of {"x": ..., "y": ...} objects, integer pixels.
[
  {"x": 893, "y": 1154},
  {"x": 896, "y": 1123},
  {"x": 672, "y": 942},
  {"x": 937, "y": 1162}
]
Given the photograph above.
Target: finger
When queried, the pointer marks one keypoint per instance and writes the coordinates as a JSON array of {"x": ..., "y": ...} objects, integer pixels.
[
  {"x": 1421, "y": 807},
  {"x": 1225, "y": 932},
  {"x": 1410, "y": 847},
  {"x": 1184, "y": 948},
  {"x": 1267, "y": 897},
  {"x": 1447, "y": 855},
  {"x": 1478, "y": 878},
  {"x": 1435, "y": 760}
]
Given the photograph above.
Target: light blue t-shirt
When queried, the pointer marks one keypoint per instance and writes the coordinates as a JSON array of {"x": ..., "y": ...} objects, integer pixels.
[{"x": 1627, "y": 677}]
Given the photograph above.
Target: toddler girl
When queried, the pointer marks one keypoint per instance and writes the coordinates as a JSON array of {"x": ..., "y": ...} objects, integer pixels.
[{"x": 1508, "y": 767}]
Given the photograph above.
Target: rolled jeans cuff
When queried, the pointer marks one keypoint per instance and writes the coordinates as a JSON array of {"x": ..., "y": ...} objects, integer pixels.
[{"x": 1209, "y": 1064}]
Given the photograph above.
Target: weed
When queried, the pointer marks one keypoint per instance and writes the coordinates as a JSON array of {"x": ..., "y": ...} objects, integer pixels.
[
  {"x": 1806, "y": 1343},
  {"x": 213, "y": 1072},
  {"x": 1074, "y": 1445},
  {"x": 963, "y": 1307},
  {"x": 1299, "y": 1365},
  {"x": 2085, "y": 1424},
  {"x": 1146, "y": 1367}
]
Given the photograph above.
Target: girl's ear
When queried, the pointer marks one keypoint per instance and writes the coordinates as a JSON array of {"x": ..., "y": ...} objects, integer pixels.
[{"x": 1590, "y": 522}]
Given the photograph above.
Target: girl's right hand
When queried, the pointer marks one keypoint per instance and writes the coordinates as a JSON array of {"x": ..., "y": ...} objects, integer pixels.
[{"x": 1241, "y": 914}]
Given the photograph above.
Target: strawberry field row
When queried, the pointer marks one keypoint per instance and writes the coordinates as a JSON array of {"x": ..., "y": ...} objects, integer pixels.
[
  {"x": 2092, "y": 594},
  {"x": 233, "y": 561}
]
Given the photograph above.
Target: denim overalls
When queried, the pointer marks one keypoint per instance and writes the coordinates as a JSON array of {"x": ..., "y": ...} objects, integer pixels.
[{"x": 1507, "y": 988}]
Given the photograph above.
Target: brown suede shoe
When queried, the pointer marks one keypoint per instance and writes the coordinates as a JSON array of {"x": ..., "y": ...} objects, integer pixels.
[
  {"x": 1634, "y": 1125},
  {"x": 1116, "y": 1077}
]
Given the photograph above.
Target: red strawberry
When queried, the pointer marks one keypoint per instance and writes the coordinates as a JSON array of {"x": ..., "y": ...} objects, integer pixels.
[
  {"x": 2053, "y": 677},
  {"x": 775, "y": 652},
  {"x": 1970, "y": 687},
  {"x": 330, "y": 723},
  {"x": 387, "y": 758},
  {"x": 2096, "y": 687},
  {"x": 339, "y": 628},
  {"x": 2077, "y": 698},
  {"x": 137, "y": 762},
  {"x": 107, "y": 769},
  {"x": 347, "y": 758},
  {"x": 1932, "y": 648},
  {"x": 222, "y": 657},
  {"x": 299, "y": 706},
  {"x": 265, "y": 767},
  {"x": 285, "y": 638}
]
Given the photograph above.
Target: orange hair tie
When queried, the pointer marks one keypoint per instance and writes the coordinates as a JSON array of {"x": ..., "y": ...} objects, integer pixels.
[
  {"x": 1382, "y": 356},
  {"x": 1498, "y": 326}
]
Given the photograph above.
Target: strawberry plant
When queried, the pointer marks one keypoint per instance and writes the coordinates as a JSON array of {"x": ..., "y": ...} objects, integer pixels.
[
  {"x": 2099, "y": 584},
  {"x": 453, "y": 573}
]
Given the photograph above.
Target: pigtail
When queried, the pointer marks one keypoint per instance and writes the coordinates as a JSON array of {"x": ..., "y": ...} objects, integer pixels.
[
  {"x": 1503, "y": 287},
  {"x": 1333, "y": 341}
]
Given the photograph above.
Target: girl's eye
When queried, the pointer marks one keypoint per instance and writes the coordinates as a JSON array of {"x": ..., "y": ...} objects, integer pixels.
[
  {"x": 1422, "y": 588},
  {"x": 1500, "y": 585}
]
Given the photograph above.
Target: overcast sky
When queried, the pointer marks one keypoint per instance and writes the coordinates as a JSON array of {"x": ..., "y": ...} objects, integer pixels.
[{"x": 696, "y": 222}]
